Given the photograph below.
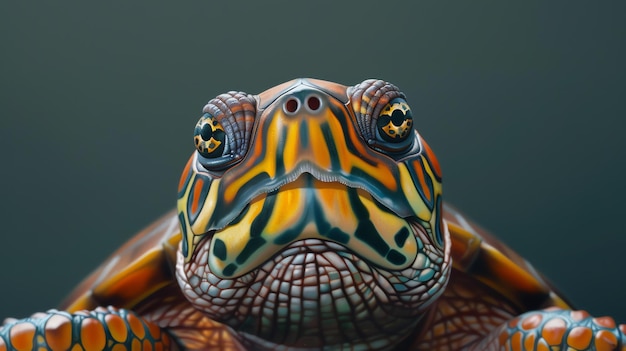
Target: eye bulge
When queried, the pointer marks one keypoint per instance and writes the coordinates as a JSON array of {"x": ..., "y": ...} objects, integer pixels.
[
  {"x": 395, "y": 121},
  {"x": 209, "y": 137}
]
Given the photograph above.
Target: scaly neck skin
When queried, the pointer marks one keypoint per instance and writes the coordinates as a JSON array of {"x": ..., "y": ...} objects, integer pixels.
[{"x": 315, "y": 294}]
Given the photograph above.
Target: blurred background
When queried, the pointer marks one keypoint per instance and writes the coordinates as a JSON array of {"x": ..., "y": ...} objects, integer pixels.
[{"x": 525, "y": 106}]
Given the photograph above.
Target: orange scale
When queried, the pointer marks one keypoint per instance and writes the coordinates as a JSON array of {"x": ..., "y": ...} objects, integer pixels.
[
  {"x": 532, "y": 321},
  {"x": 118, "y": 347},
  {"x": 136, "y": 326},
  {"x": 578, "y": 316},
  {"x": 117, "y": 327},
  {"x": 3, "y": 345},
  {"x": 147, "y": 345},
  {"x": 606, "y": 322},
  {"x": 22, "y": 336},
  {"x": 154, "y": 330},
  {"x": 136, "y": 345},
  {"x": 92, "y": 335},
  {"x": 516, "y": 341},
  {"x": 579, "y": 337},
  {"x": 503, "y": 337},
  {"x": 58, "y": 333},
  {"x": 541, "y": 346},
  {"x": 605, "y": 341},
  {"x": 553, "y": 331},
  {"x": 529, "y": 341}
]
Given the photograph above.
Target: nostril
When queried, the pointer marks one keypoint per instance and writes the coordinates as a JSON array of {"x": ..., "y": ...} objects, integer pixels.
[
  {"x": 313, "y": 103},
  {"x": 291, "y": 105}
]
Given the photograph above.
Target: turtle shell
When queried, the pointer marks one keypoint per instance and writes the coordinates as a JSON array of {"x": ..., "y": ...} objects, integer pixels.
[{"x": 489, "y": 283}]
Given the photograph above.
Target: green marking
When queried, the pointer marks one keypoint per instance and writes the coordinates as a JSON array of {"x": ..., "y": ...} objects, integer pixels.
[
  {"x": 395, "y": 257},
  {"x": 251, "y": 246},
  {"x": 401, "y": 236},
  {"x": 219, "y": 249},
  {"x": 230, "y": 269},
  {"x": 287, "y": 236},
  {"x": 366, "y": 231},
  {"x": 338, "y": 235},
  {"x": 183, "y": 229}
]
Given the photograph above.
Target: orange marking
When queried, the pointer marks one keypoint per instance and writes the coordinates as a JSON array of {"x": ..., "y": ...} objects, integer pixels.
[
  {"x": 136, "y": 345},
  {"x": 529, "y": 342},
  {"x": 92, "y": 335},
  {"x": 606, "y": 322},
  {"x": 532, "y": 321},
  {"x": 433, "y": 159},
  {"x": 136, "y": 326},
  {"x": 58, "y": 332},
  {"x": 197, "y": 188},
  {"x": 3, "y": 345},
  {"x": 154, "y": 330},
  {"x": 579, "y": 337},
  {"x": 605, "y": 341},
  {"x": 503, "y": 337},
  {"x": 553, "y": 331},
  {"x": 22, "y": 335},
  {"x": 578, "y": 316},
  {"x": 117, "y": 327},
  {"x": 183, "y": 177},
  {"x": 516, "y": 341},
  {"x": 166, "y": 342},
  {"x": 77, "y": 347},
  {"x": 118, "y": 347},
  {"x": 541, "y": 346},
  {"x": 422, "y": 181},
  {"x": 158, "y": 346},
  {"x": 147, "y": 346}
]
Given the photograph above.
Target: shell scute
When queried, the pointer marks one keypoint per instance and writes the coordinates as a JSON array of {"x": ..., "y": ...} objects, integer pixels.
[
  {"x": 139, "y": 268},
  {"x": 476, "y": 252}
]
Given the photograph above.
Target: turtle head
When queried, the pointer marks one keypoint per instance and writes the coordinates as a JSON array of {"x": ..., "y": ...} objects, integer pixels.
[{"x": 309, "y": 209}]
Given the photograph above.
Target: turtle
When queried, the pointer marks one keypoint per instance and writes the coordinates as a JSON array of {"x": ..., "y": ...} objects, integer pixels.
[{"x": 311, "y": 217}]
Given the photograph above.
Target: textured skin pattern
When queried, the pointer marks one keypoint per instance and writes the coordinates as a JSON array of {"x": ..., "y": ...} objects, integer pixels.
[
  {"x": 556, "y": 329},
  {"x": 319, "y": 236},
  {"x": 314, "y": 290},
  {"x": 311, "y": 218},
  {"x": 105, "y": 328}
]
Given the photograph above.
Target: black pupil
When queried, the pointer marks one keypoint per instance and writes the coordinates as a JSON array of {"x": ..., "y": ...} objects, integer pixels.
[
  {"x": 206, "y": 132},
  {"x": 397, "y": 117}
]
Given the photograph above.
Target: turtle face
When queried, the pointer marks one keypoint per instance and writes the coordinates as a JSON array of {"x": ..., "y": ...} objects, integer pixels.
[{"x": 311, "y": 216}]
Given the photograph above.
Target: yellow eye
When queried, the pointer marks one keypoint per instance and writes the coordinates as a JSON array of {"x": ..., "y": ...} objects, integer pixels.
[
  {"x": 209, "y": 137},
  {"x": 395, "y": 121}
]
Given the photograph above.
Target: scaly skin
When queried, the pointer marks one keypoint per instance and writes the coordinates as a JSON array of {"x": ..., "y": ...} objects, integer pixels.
[
  {"x": 555, "y": 329},
  {"x": 104, "y": 328},
  {"x": 311, "y": 217}
]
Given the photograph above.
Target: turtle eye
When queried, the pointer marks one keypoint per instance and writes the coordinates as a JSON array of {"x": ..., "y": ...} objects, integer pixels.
[
  {"x": 395, "y": 121},
  {"x": 384, "y": 118},
  {"x": 209, "y": 137},
  {"x": 394, "y": 128}
]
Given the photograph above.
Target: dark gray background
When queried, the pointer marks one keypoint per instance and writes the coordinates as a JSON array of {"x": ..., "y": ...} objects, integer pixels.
[{"x": 524, "y": 104}]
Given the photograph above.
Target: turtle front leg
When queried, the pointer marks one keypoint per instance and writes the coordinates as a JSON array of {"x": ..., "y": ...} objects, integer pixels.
[
  {"x": 555, "y": 329},
  {"x": 101, "y": 329}
]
